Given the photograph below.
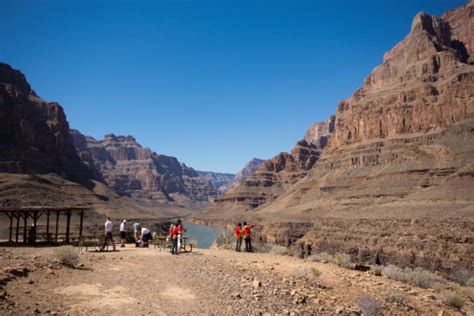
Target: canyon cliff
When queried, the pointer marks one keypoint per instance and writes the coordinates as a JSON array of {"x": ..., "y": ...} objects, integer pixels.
[
  {"x": 136, "y": 171},
  {"x": 394, "y": 183}
]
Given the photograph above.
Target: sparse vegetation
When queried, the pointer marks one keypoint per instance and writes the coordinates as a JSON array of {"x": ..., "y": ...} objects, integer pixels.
[
  {"x": 323, "y": 257},
  {"x": 68, "y": 256},
  {"x": 455, "y": 300},
  {"x": 368, "y": 305},
  {"x": 463, "y": 277},
  {"x": 377, "y": 270},
  {"x": 225, "y": 238},
  {"x": 279, "y": 250},
  {"x": 343, "y": 260},
  {"x": 418, "y": 276},
  {"x": 397, "y": 297},
  {"x": 308, "y": 274}
]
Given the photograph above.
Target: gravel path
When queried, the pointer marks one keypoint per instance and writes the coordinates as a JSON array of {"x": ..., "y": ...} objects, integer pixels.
[{"x": 220, "y": 282}]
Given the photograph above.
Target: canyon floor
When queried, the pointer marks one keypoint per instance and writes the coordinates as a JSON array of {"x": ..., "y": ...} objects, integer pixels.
[{"x": 143, "y": 281}]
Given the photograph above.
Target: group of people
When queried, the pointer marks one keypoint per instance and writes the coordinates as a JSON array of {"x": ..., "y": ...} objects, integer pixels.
[
  {"x": 245, "y": 234},
  {"x": 176, "y": 234},
  {"x": 142, "y": 235}
]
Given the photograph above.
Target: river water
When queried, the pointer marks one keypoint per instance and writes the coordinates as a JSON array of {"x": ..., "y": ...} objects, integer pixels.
[{"x": 204, "y": 235}]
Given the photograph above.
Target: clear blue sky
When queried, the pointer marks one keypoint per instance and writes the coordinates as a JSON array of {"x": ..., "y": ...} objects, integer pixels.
[{"x": 213, "y": 83}]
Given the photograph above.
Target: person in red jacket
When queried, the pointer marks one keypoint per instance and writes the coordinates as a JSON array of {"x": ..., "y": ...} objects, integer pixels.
[
  {"x": 247, "y": 235},
  {"x": 238, "y": 236},
  {"x": 174, "y": 238}
]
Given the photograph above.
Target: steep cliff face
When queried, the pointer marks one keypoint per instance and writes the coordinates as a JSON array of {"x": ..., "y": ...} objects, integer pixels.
[
  {"x": 221, "y": 181},
  {"x": 132, "y": 170},
  {"x": 401, "y": 160},
  {"x": 394, "y": 181},
  {"x": 274, "y": 176},
  {"x": 34, "y": 134},
  {"x": 462, "y": 29}
]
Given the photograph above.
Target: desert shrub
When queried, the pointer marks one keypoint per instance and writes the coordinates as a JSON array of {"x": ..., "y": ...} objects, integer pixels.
[
  {"x": 323, "y": 257},
  {"x": 454, "y": 300},
  {"x": 418, "y": 276},
  {"x": 463, "y": 277},
  {"x": 225, "y": 238},
  {"x": 368, "y": 305},
  {"x": 298, "y": 252},
  {"x": 279, "y": 250},
  {"x": 308, "y": 274},
  {"x": 343, "y": 260},
  {"x": 377, "y": 270},
  {"x": 68, "y": 256},
  {"x": 397, "y": 297}
]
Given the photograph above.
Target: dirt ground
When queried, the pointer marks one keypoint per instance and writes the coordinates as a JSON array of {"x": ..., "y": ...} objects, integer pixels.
[{"x": 141, "y": 281}]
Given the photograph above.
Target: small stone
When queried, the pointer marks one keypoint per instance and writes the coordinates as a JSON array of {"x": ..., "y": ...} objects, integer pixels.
[
  {"x": 256, "y": 284},
  {"x": 339, "y": 310}
]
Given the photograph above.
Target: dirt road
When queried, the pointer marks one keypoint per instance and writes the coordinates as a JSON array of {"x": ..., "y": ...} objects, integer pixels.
[{"x": 135, "y": 281}]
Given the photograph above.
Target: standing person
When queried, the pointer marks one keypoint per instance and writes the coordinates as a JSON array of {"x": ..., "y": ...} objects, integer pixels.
[
  {"x": 174, "y": 239},
  {"x": 247, "y": 235},
  {"x": 180, "y": 228},
  {"x": 123, "y": 233},
  {"x": 238, "y": 236},
  {"x": 137, "y": 229},
  {"x": 108, "y": 227}
]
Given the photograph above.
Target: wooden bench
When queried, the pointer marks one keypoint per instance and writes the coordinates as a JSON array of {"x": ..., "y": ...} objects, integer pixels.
[{"x": 96, "y": 242}]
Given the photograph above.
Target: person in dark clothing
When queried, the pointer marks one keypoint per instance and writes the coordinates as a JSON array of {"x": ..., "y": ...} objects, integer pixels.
[
  {"x": 32, "y": 235},
  {"x": 247, "y": 235},
  {"x": 238, "y": 236}
]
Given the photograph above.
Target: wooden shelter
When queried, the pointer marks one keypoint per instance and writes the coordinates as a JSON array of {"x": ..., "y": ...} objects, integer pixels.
[{"x": 35, "y": 213}]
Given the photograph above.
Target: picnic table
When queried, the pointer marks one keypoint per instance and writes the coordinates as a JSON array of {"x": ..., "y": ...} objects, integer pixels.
[{"x": 163, "y": 242}]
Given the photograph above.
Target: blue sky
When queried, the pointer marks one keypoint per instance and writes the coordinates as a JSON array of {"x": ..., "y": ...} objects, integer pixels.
[{"x": 213, "y": 83}]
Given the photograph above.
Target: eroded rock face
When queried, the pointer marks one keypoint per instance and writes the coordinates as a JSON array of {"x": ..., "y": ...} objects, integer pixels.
[
  {"x": 130, "y": 169},
  {"x": 221, "y": 181},
  {"x": 394, "y": 181},
  {"x": 276, "y": 175},
  {"x": 34, "y": 134}
]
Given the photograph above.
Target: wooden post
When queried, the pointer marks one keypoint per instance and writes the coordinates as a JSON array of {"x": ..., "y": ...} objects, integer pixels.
[
  {"x": 25, "y": 225},
  {"x": 35, "y": 222},
  {"x": 57, "y": 224},
  {"x": 68, "y": 223},
  {"x": 17, "y": 227},
  {"x": 10, "y": 216},
  {"x": 80, "y": 225},
  {"x": 47, "y": 226}
]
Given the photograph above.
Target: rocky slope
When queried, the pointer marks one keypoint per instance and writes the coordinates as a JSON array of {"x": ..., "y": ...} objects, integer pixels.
[
  {"x": 34, "y": 134},
  {"x": 275, "y": 175},
  {"x": 220, "y": 181},
  {"x": 135, "y": 171},
  {"x": 393, "y": 183}
]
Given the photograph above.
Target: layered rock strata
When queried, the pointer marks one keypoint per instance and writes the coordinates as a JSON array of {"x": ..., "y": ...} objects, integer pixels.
[{"x": 132, "y": 170}]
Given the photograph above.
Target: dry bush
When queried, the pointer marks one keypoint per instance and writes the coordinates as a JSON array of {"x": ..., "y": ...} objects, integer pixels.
[
  {"x": 455, "y": 300},
  {"x": 308, "y": 274},
  {"x": 343, "y": 260},
  {"x": 377, "y": 270},
  {"x": 368, "y": 305},
  {"x": 225, "y": 238},
  {"x": 322, "y": 257},
  {"x": 418, "y": 276},
  {"x": 397, "y": 297},
  {"x": 463, "y": 277},
  {"x": 68, "y": 256},
  {"x": 298, "y": 252},
  {"x": 279, "y": 250}
]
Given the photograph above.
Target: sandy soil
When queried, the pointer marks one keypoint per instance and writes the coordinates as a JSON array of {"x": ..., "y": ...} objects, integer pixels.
[{"x": 135, "y": 281}]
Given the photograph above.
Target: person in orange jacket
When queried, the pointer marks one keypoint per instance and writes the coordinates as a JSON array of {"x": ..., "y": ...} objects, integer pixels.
[
  {"x": 238, "y": 236},
  {"x": 247, "y": 235}
]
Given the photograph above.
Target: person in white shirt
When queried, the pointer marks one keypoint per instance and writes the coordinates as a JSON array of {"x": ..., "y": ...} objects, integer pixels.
[
  {"x": 146, "y": 236},
  {"x": 108, "y": 233},
  {"x": 137, "y": 229},
  {"x": 123, "y": 233}
]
